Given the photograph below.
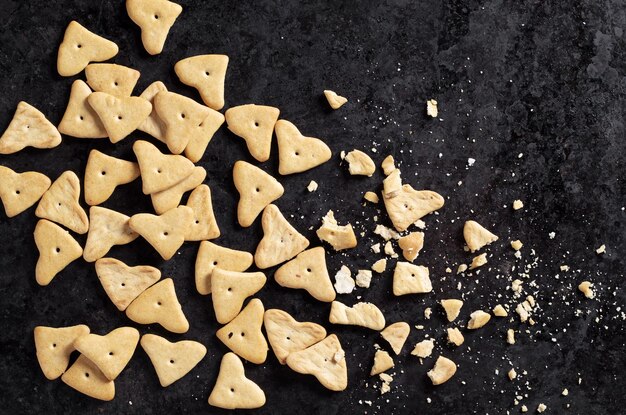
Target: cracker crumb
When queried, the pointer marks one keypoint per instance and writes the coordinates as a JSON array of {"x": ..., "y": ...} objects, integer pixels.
[
  {"x": 389, "y": 250},
  {"x": 499, "y": 311},
  {"x": 510, "y": 336},
  {"x": 478, "y": 261},
  {"x": 424, "y": 348},
  {"x": 380, "y": 265},
  {"x": 364, "y": 278},
  {"x": 431, "y": 108},
  {"x": 455, "y": 336},
  {"x": 518, "y": 204},
  {"x": 512, "y": 374},
  {"x": 586, "y": 288},
  {"x": 524, "y": 408},
  {"x": 564, "y": 267},
  {"x": 371, "y": 197},
  {"x": 360, "y": 164},
  {"x": 565, "y": 392},
  {"x": 312, "y": 186},
  {"x": 552, "y": 235},
  {"x": 478, "y": 319},
  {"x": 517, "y": 244},
  {"x": 420, "y": 224},
  {"x": 335, "y": 101},
  {"x": 338, "y": 236},
  {"x": 452, "y": 308},
  {"x": 388, "y": 165},
  {"x": 427, "y": 313},
  {"x": 601, "y": 250},
  {"x": 386, "y": 233},
  {"x": 541, "y": 407},
  {"x": 462, "y": 268},
  {"x": 344, "y": 284}
]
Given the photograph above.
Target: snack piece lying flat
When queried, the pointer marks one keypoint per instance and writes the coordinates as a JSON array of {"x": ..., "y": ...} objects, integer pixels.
[
  {"x": 255, "y": 124},
  {"x": 382, "y": 362},
  {"x": 243, "y": 334},
  {"x": 80, "y": 120},
  {"x": 112, "y": 352},
  {"x": 335, "y": 101},
  {"x": 230, "y": 289},
  {"x": 107, "y": 228},
  {"x": 361, "y": 314},
  {"x": 338, "y": 236},
  {"x": 79, "y": 47},
  {"x": 297, "y": 153},
  {"x": 455, "y": 336},
  {"x": 286, "y": 335},
  {"x": 256, "y": 188},
  {"x": 160, "y": 171},
  {"x": 159, "y": 304},
  {"x": 104, "y": 173},
  {"x": 86, "y": 378},
  {"x": 380, "y": 265},
  {"x": 28, "y": 128},
  {"x": 443, "y": 370},
  {"x": 155, "y": 18},
  {"x": 411, "y": 279},
  {"x": 478, "y": 319},
  {"x": 411, "y": 245},
  {"x": 57, "y": 249},
  {"x": 172, "y": 361},
  {"x": 360, "y": 164},
  {"x": 211, "y": 256},
  {"x": 113, "y": 79},
  {"x": 476, "y": 236},
  {"x": 206, "y": 73},
  {"x": 586, "y": 288},
  {"x": 431, "y": 108},
  {"x": 424, "y": 348},
  {"x": 170, "y": 198},
  {"x": 478, "y": 261},
  {"x": 232, "y": 389},
  {"x": 452, "y": 308},
  {"x": 120, "y": 116},
  {"x": 203, "y": 224},
  {"x": 54, "y": 347},
  {"x": 166, "y": 233},
  {"x": 388, "y": 165},
  {"x": 123, "y": 283},
  {"x": 308, "y": 271},
  {"x": 325, "y": 360},
  {"x": 153, "y": 125},
  {"x": 344, "y": 283},
  {"x": 396, "y": 335},
  {"x": 19, "y": 191},
  {"x": 60, "y": 204}
]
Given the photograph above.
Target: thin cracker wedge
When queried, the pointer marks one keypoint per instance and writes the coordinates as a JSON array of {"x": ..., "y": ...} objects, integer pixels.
[
  {"x": 361, "y": 314},
  {"x": 229, "y": 289},
  {"x": 338, "y": 236},
  {"x": 203, "y": 225},
  {"x": 232, "y": 389},
  {"x": 160, "y": 171},
  {"x": 287, "y": 335},
  {"x": 153, "y": 124},
  {"x": 57, "y": 249},
  {"x": 80, "y": 120},
  {"x": 79, "y": 47},
  {"x": 335, "y": 101},
  {"x": 107, "y": 228},
  {"x": 382, "y": 362},
  {"x": 19, "y": 191},
  {"x": 104, "y": 173},
  {"x": 297, "y": 153},
  {"x": 324, "y": 360},
  {"x": 159, "y": 304},
  {"x": 243, "y": 334},
  {"x": 155, "y": 18},
  {"x": 120, "y": 116},
  {"x": 172, "y": 361},
  {"x": 206, "y": 73},
  {"x": 476, "y": 236},
  {"x": 256, "y": 188},
  {"x": 54, "y": 347},
  {"x": 411, "y": 245},
  {"x": 411, "y": 279},
  {"x": 28, "y": 128},
  {"x": 360, "y": 164},
  {"x": 211, "y": 256},
  {"x": 280, "y": 242},
  {"x": 60, "y": 204},
  {"x": 308, "y": 271},
  {"x": 116, "y": 80},
  {"x": 166, "y": 233},
  {"x": 112, "y": 352},
  {"x": 123, "y": 283},
  {"x": 396, "y": 335},
  {"x": 86, "y": 378},
  {"x": 199, "y": 142},
  {"x": 170, "y": 198},
  {"x": 452, "y": 307},
  {"x": 255, "y": 124}
]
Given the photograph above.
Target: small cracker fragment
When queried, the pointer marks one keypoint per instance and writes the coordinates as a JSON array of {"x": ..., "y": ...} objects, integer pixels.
[
  {"x": 229, "y": 289},
  {"x": 371, "y": 197},
  {"x": 107, "y": 228},
  {"x": 123, "y": 283},
  {"x": 360, "y": 164},
  {"x": 335, "y": 101},
  {"x": 462, "y": 268},
  {"x": 312, "y": 186},
  {"x": 28, "y": 128},
  {"x": 499, "y": 311},
  {"x": 380, "y": 265},
  {"x": 585, "y": 287},
  {"x": 211, "y": 256},
  {"x": 601, "y": 249},
  {"x": 518, "y": 204},
  {"x": 280, "y": 242},
  {"x": 517, "y": 244},
  {"x": 120, "y": 116},
  {"x": 243, "y": 334},
  {"x": 510, "y": 336},
  {"x": 452, "y": 308},
  {"x": 476, "y": 236},
  {"x": 54, "y": 347},
  {"x": 443, "y": 370},
  {"x": 79, "y": 47},
  {"x": 57, "y": 249},
  {"x": 155, "y": 18},
  {"x": 166, "y": 233},
  {"x": 411, "y": 279},
  {"x": 203, "y": 225},
  {"x": 308, "y": 271},
  {"x": 338, "y": 236},
  {"x": 297, "y": 153},
  {"x": 159, "y": 304},
  {"x": 363, "y": 278},
  {"x": 172, "y": 361},
  {"x": 287, "y": 335},
  {"x": 386, "y": 233},
  {"x": 478, "y": 261},
  {"x": 478, "y": 319},
  {"x": 80, "y": 120},
  {"x": 19, "y": 191},
  {"x": 344, "y": 283},
  {"x": 324, "y": 360},
  {"x": 411, "y": 245},
  {"x": 153, "y": 125},
  {"x": 455, "y": 336},
  {"x": 104, "y": 173},
  {"x": 86, "y": 378},
  {"x": 160, "y": 171},
  {"x": 431, "y": 108},
  {"x": 232, "y": 389},
  {"x": 512, "y": 374},
  {"x": 255, "y": 124},
  {"x": 388, "y": 165},
  {"x": 116, "y": 80},
  {"x": 60, "y": 204},
  {"x": 112, "y": 352},
  {"x": 361, "y": 314},
  {"x": 424, "y": 348},
  {"x": 206, "y": 73},
  {"x": 256, "y": 188},
  {"x": 382, "y": 362},
  {"x": 170, "y": 198},
  {"x": 396, "y": 335}
]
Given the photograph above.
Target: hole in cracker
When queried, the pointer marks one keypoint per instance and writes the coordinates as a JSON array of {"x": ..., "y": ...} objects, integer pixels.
[
  {"x": 412, "y": 275},
  {"x": 86, "y": 374},
  {"x": 123, "y": 284},
  {"x": 308, "y": 270},
  {"x": 214, "y": 263},
  {"x": 54, "y": 345},
  {"x": 156, "y": 16},
  {"x": 81, "y": 117},
  {"x": 197, "y": 222},
  {"x": 230, "y": 289},
  {"x": 165, "y": 233},
  {"x": 288, "y": 338},
  {"x": 79, "y": 46},
  {"x": 17, "y": 192},
  {"x": 206, "y": 73},
  {"x": 158, "y": 171},
  {"x": 172, "y": 361},
  {"x": 182, "y": 115},
  {"x": 103, "y": 173},
  {"x": 257, "y": 189},
  {"x": 297, "y": 153},
  {"x": 282, "y": 240},
  {"x": 119, "y": 117},
  {"x": 28, "y": 126},
  {"x": 230, "y": 334},
  {"x": 158, "y": 303},
  {"x": 58, "y": 250},
  {"x": 110, "y": 353},
  {"x": 232, "y": 389},
  {"x": 243, "y": 334},
  {"x": 256, "y": 123},
  {"x": 115, "y": 83},
  {"x": 59, "y": 203}
]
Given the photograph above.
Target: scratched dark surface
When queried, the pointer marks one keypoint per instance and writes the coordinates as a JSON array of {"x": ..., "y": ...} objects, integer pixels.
[{"x": 532, "y": 90}]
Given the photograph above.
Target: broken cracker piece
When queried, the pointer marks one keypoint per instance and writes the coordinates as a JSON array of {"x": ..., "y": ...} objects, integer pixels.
[
  {"x": 411, "y": 279},
  {"x": 396, "y": 335},
  {"x": 382, "y": 362},
  {"x": 424, "y": 348},
  {"x": 380, "y": 265},
  {"x": 452, "y": 308},
  {"x": 388, "y": 165},
  {"x": 363, "y": 278},
  {"x": 478, "y": 319},
  {"x": 443, "y": 370},
  {"x": 478, "y": 261},
  {"x": 455, "y": 336},
  {"x": 517, "y": 245},
  {"x": 312, "y": 186},
  {"x": 361, "y": 314},
  {"x": 338, "y": 236},
  {"x": 335, "y": 101},
  {"x": 517, "y": 204},
  {"x": 585, "y": 287},
  {"x": 344, "y": 283},
  {"x": 499, "y": 311},
  {"x": 476, "y": 236},
  {"x": 360, "y": 164},
  {"x": 411, "y": 245},
  {"x": 371, "y": 197},
  {"x": 431, "y": 108}
]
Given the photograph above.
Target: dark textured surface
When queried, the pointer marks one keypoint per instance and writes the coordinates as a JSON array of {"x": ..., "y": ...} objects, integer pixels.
[{"x": 533, "y": 90}]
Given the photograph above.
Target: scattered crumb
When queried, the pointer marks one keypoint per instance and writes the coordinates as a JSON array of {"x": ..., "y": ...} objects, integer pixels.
[
  {"x": 335, "y": 101},
  {"x": 344, "y": 284},
  {"x": 601, "y": 250},
  {"x": 478, "y": 319},
  {"x": 517, "y": 244},
  {"x": 389, "y": 250},
  {"x": 541, "y": 407},
  {"x": 364, "y": 278},
  {"x": 376, "y": 248},
  {"x": 312, "y": 186},
  {"x": 510, "y": 336},
  {"x": 420, "y": 224},
  {"x": 427, "y": 313},
  {"x": 431, "y": 108},
  {"x": 518, "y": 204},
  {"x": 586, "y": 288},
  {"x": 478, "y": 261},
  {"x": 388, "y": 165},
  {"x": 565, "y": 392},
  {"x": 424, "y": 348},
  {"x": 360, "y": 164},
  {"x": 452, "y": 308},
  {"x": 499, "y": 311},
  {"x": 512, "y": 374},
  {"x": 564, "y": 268},
  {"x": 371, "y": 197},
  {"x": 461, "y": 268},
  {"x": 380, "y": 266},
  {"x": 551, "y": 235},
  {"x": 386, "y": 233},
  {"x": 524, "y": 408}
]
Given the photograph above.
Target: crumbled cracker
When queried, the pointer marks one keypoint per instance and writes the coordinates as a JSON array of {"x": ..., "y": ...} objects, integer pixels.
[
  {"x": 601, "y": 250},
  {"x": 386, "y": 233},
  {"x": 541, "y": 407},
  {"x": 338, "y": 236},
  {"x": 522, "y": 312},
  {"x": 452, "y": 308},
  {"x": 312, "y": 186},
  {"x": 360, "y": 164},
  {"x": 344, "y": 284},
  {"x": 389, "y": 250},
  {"x": 411, "y": 245},
  {"x": 376, "y": 248},
  {"x": 380, "y": 266},
  {"x": 478, "y": 319},
  {"x": 454, "y": 336},
  {"x": 517, "y": 244},
  {"x": 431, "y": 108},
  {"x": 427, "y": 313},
  {"x": 364, "y": 278},
  {"x": 371, "y": 197},
  {"x": 462, "y": 268},
  {"x": 586, "y": 288},
  {"x": 499, "y": 311},
  {"x": 510, "y": 336},
  {"x": 564, "y": 267},
  {"x": 478, "y": 261},
  {"x": 420, "y": 224},
  {"x": 565, "y": 392},
  {"x": 524, "y": 408},
  {"x": 388, "y": 165},
  {"x": 518, "y": 204},
  {"x": 424, "y": 348},
  {"x": 512, "y": 374}
]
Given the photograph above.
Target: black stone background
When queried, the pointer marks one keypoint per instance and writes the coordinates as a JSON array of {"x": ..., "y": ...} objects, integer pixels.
[{"x": 545, "y": 79}]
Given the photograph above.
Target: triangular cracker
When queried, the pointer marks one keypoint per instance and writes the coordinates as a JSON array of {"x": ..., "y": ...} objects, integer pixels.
[
  {"x": 411, "y": 279},
  {"x": 166, "y": 233},
  {"x": 203, "y": 226},
  {"x": 106, "y": 229},
  {"x": 120, "y": 116},
  {"x": 324, "y": 360},
  {"x": 57, "y": 249},
  {"x": 112, "y": 352},
  {"x": 116, "y": 80},
  {"x": 286, "y": 335},
  {"x": 123, "y": 283},
  {"x": 160, "y": 171},
  {"x": 170, "y": 198},
  {"x": 243, "y": 334},
  {"x": 297, "y": 153},
  {"x": 54, "y": 347},
  {"x": 229, "y": 289},
  {"x": 308, "y": 271},
  {"x": 155, "y": 18},
  {"x": 86, "y": 378},
  {"x": 280, "y": 242},
  {"x": 60, "y": 204},
  {"x": 256, "y": 188},
  {"x": 335, "y": 101},
  {"x": 411, "y": 245},
  {"x": 158, "y": 304},
  {"x": 172, "y": 361},
  {"x": 382, "y": 362},
  {"x": 153, "y": 124},
  {"x": 206, "y": 73},
  {"x": 255, "y": 124},
  {"x": 104, "y": 173},
  {"x": 476, "y": 236},
  {"x": 79, "y": 47},
  {"x": 199, "y": 141},
  {"x": 80, "y": 120},
  {"x": 29, "y": 127},
  {"x": 232, "y": 389},
  {"x": 396, "y": 334},
  {"x": 19, "y": 191},
  {"x": 211, "y": 256}
]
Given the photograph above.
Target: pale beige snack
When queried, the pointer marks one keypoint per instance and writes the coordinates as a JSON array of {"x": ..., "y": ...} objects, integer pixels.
[
  {"x": 286, "y": 335},
  {"x": 256, "y": 188},
  {"x": 255, "y": 124},
  {"x": 386, "y": 233},
  {"x": 120, "y": 116},
  {"x": 361, "y": 314},
  {"x": 153, "y": 124},
  {"x": 54, "y": 347},
  {"x": 243, "y": 334},
  {"x": 382, "y": 362},
  {"x": 104, "y": 173},
  {"x": 499, "y": 311},
  {"x": 512, "y": 374},
  {"x": 411, "y": 279},
  {"x": 411, "y": 245},
  {"x": 335, "y": 101},
  {"x": 229, "y": 289},
  {"x": 29, "y": 127},
  {"x": 107, "y": 228},
  {"x": 431, "y": 108},
  {"x": 308, "y": 271},
  {"x": 371, "y": 197},
  {"x": 312, "y": 186},
  {"x": 280, "y": 242},
  {"x": 396, "y": 335},
  {"x": 388, "y": 165},
  {"x": 297, "y": 153},
  {"x": 79, "y": 47},
  {"x": 386, "y": 385},
  {"x": 232, "y": 389},
  {"x": 19, "y": 191},
  {"x": 478, "y": 319},
  {"x": 442, "y": 372},
  {"x": 455, "y": 336},
  {"x": 116, "y": 80},
  {"x": 123, "y": 283},
  {"x": 360, "y": 164},
  {"x": 338, "y": 236},
  {"x": 86, "y": 378},
  {"x": 160, "y": 171},
  {"x": 166, "y": 233},
  {"x": 344, "y": 283},
  {"x": 510, "y": 336},
  {"x": 155, "y": 18},
  {"x": 389, "y": 250},
  {"x": 57, "y": 249},
  {"x": 380, "y": 266},
  {"x": 586, "y": 288},
  {"x": 392, "y": 184},
  {"x": 424, "y": 348},
  {"x": 112, "y": 352},
  {"x": 476, "y": 236},
  {"x": 80, "y": 120},
  {"x": 452, "y": 308},
  {"x": 60, "y": 204},
  {"x": 518, "y": 204},
  {"x": 159, "y": 304},
  {"x": 211, "y": 256},
  {"x": 170, "y": 198},
  {"x": 478, "y": 261},
  {"x": 363, "y": 278},
  {"x": 172, "y": 361},
  {"x": 203, "y": 225},
  {"x": 206, "y": 73},
  {"x": 517, "y": 244},
  {"x": 324, "y": 360}
]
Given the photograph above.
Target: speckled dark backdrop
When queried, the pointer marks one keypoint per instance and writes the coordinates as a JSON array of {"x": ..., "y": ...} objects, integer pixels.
[{"x": 532, "y": 90}]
